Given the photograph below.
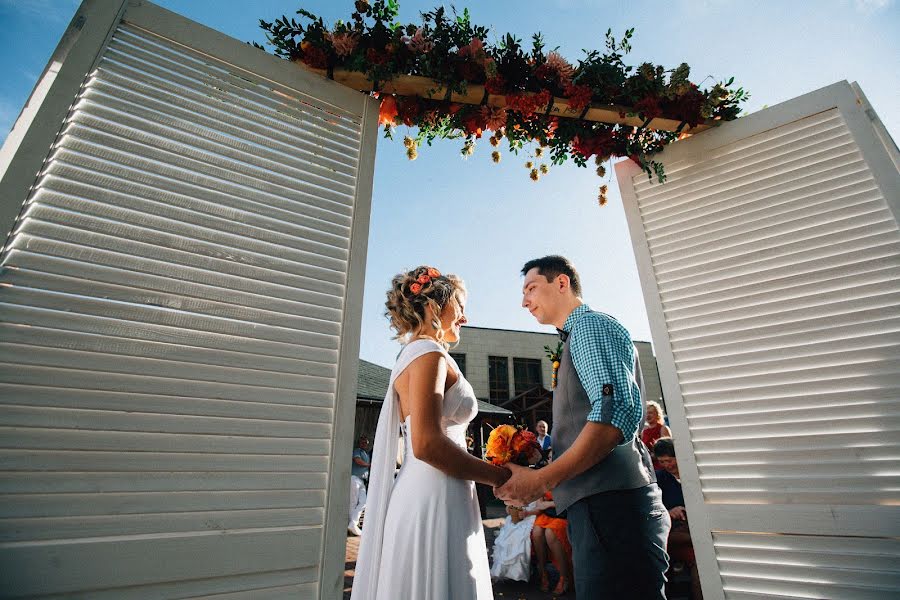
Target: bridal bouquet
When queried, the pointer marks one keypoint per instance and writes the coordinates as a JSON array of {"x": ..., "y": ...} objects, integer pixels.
[{"x": 509, "y": 444}]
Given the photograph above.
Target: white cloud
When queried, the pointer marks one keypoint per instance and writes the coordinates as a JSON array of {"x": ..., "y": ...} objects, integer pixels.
[{"x": 870, "y": 6}]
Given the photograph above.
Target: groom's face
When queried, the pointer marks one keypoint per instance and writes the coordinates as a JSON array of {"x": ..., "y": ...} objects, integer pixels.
[{"x": 540, "y": 297}]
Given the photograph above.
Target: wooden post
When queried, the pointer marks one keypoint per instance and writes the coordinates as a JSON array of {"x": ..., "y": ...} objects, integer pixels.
[{"x": 423, "y": 87}]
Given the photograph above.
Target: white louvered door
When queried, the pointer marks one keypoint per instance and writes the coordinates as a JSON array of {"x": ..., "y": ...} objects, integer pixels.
[
  {"x": 770, "y": 265},
  {"x": 180, "y": 303}
]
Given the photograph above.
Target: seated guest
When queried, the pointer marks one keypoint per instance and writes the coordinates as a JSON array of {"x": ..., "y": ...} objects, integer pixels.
[
  {"x": 511, "y": 558},
  {"x": 680, "y": 547},
  {"x": 654, "y": 429},
  {"x": 549, "y": 535}
]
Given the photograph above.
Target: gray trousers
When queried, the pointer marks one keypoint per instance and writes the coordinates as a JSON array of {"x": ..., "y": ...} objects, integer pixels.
[{"x": 619, "y": 544}]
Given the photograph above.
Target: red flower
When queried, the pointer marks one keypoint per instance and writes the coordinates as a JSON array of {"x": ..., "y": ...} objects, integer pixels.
[
  {"x": 473, "y": 122},
  {"x": 471, "y": 71},
  {"x": 432, "y": 272},
  {"x": 688, "y": 107},
  {"x": 648, "y": 107},
  {"x": 495, "y": 85},
  {"x": 545, "y": 73},
  {"x": 375, "y": 57},
  {"x": 494, "y": 117},
  {"x": 313, "y": 56},
  {"x": 388, "y": 110},
  {"x": 408, "y": 109},
  {"x": 579, "y": 97},
  {"x": 529, "y": 103},
  {"x": 423, "y": 279},
  {"x": 415, "y": 287},
  {"x": 588, "y": 145}
]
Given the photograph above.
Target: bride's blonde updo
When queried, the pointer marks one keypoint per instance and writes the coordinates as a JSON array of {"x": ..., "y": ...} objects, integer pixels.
[{"x": 412, "y": 291}]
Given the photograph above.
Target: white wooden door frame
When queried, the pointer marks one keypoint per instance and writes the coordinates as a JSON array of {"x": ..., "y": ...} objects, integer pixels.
[
  {"x": 35, "y": 132},
  {"x": 38, "y": 125},
  {"x": 821, "y": 519}
]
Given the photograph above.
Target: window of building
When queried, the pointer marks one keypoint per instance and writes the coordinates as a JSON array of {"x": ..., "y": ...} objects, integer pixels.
[
  {"x": 460, "y": 361},
  {"x": 498, "y": 377},
  {"x": 527, "y": 374}
]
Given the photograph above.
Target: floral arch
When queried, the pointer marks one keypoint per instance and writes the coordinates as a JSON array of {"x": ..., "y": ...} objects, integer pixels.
[{"x": 444, "y": 79}]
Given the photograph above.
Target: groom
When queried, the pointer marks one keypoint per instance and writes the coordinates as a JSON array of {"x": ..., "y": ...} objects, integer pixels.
[{"x": 602, "y": 474}]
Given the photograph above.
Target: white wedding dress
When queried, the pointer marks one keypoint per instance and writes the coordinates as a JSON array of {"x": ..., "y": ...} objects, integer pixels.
[{"x": 422, "y": 537}]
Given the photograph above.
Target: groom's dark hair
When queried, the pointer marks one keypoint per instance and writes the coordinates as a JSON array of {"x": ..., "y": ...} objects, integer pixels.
[{"x": 552, "y": 267}]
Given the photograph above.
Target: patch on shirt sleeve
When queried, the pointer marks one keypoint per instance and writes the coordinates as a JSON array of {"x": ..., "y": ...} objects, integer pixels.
[{"x": 607, "y": 389}]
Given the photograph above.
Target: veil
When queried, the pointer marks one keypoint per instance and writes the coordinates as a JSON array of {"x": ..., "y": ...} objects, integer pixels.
[{"x": 381, "y": 477}]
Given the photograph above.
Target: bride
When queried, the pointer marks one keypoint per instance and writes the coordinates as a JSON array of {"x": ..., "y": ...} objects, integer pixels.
[{"x": 423, "y": 536}]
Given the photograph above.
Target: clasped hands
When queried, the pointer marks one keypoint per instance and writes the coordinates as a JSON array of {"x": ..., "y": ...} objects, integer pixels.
[{"x": 523, "y": 486}]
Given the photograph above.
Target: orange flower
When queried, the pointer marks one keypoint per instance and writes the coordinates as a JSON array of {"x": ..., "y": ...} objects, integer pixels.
[
  {"x": 416, "y": 287},
  {"x": 388, "y": 110},
  {"x": 508, "y": 444},
  {"x": 432, "y": 272},
  {"x": 423, "y": 279},
  {"x": 520, "y": 442},
  {"x": 498, "y": 449}
]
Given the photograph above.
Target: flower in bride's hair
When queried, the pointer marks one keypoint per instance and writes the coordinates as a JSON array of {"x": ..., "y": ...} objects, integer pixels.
[
  {"x": 415, "y": 287},
  {"x": 423, "y": 278},
  {"x": 432, "y": 272}
]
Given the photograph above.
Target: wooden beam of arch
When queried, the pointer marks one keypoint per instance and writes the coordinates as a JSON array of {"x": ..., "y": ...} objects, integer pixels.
[{"x": 423, "y": 87}]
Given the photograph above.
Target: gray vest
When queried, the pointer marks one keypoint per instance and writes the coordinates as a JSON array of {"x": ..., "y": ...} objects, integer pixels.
[{"x": 627, "y": 467}]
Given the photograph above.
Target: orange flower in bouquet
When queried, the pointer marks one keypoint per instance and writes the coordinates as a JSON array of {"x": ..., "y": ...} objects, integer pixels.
[{"x": 509, "y": 444}]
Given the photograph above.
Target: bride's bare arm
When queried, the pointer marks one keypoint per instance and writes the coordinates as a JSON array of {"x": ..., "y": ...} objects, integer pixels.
[{"x": 425, "y": 380}]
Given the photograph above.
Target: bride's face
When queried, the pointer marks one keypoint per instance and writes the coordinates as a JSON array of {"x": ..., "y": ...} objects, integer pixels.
[{"x": 453, "y": 317}]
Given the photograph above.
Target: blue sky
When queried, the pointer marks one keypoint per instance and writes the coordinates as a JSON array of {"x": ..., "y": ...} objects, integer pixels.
[{"x": 483, "y": 221}]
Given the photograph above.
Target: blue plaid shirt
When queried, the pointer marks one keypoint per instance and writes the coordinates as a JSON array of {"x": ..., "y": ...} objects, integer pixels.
[{"x": 604, "y": 355}]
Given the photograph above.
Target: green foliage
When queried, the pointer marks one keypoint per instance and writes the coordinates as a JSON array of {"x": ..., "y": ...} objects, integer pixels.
[{"x": 450, "y": 49}]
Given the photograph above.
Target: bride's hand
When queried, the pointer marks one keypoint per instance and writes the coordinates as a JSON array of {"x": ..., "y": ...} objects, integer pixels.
[{"x": 523, "y": 486}]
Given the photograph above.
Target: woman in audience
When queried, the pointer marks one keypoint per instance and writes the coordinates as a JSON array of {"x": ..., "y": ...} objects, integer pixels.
[
  {"x": 680, "y": 547},
  {"x": 549, "y": 536},
  {"x": 654, "y": 429}
]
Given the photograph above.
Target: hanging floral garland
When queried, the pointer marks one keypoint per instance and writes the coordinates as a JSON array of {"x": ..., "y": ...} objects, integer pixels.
[{"x": 518, "y": 91}]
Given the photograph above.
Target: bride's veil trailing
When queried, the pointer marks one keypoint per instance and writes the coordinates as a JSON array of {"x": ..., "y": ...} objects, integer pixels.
[{"x": 381, "y": 478}]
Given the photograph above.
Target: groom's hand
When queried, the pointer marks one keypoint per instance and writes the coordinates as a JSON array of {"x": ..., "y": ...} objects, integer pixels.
[{"x": 524, "y": 485}]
